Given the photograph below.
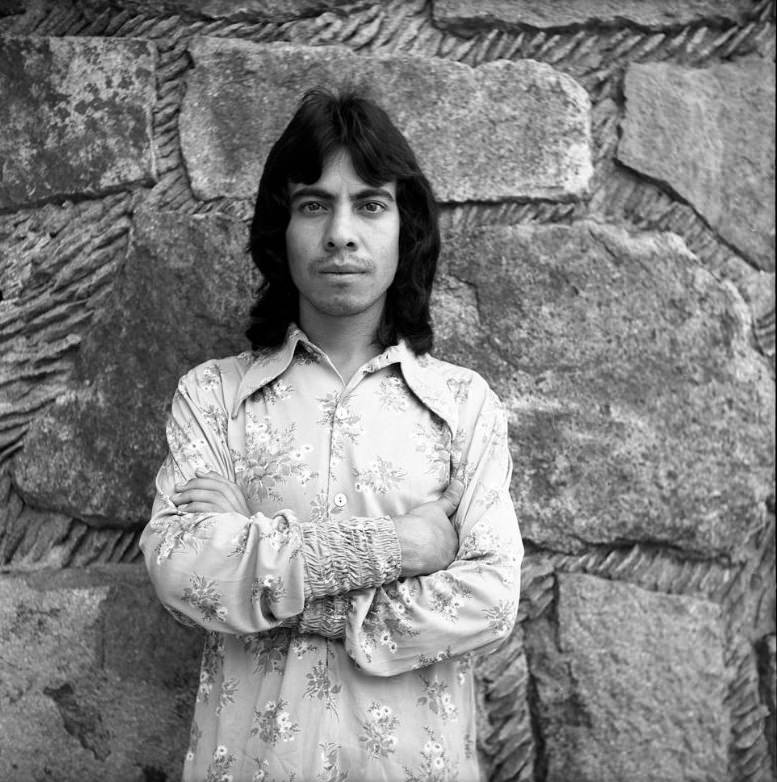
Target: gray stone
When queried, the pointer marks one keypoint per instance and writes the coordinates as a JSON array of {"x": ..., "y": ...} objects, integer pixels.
[
  {"x": 502, "y": 130},
  {"x": 465, "y": 15},
  {"x": 631, "y": 685},
  {"x": 767, "y": 668},
  {"x": 182, "y": 297},
  {"x": 97, "y": 681},
  {"x": 233, "y": 10},
  {"x": 639, "y": 410},
  {"x": 709, "y": 134},
  {"x": 76, "y": 115}
]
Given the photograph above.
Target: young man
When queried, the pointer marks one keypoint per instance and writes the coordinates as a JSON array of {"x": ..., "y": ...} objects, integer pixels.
[{"x": 301, "y": 516}]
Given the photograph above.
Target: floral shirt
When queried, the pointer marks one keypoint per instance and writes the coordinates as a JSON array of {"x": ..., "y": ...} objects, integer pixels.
[{"x": 320, "y": 663}]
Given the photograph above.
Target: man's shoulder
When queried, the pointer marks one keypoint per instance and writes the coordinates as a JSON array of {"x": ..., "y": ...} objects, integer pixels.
[
  {"x": 462, "y": 382},
  {"x": 221, "y": 374}
]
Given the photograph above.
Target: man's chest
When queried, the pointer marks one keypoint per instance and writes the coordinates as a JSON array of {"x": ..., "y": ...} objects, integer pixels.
[{"x": 306, "y": 443}]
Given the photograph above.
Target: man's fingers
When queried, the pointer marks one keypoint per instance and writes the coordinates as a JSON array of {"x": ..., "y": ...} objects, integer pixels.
[
  {"x": 197, "y": 495},
  {"x": 212, "y": 484},
  {"x": 449, "y": 500}
]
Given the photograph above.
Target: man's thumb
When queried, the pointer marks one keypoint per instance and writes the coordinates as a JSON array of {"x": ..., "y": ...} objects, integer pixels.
[{"x": 451, "y": 497}]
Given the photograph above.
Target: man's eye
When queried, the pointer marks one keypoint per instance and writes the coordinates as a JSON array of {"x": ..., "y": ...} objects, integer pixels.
[
  {"x": 373, "y": 207},
  {"x": 310, "y": 207}
]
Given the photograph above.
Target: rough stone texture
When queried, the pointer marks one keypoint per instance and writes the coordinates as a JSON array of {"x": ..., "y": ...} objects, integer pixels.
[
  {"x": 710, "y": 135},
  {"x": 234, "y": 10},
  {"x": 76, "y": 116},
  {"x": 502, "y": 130},
  {"x": 625, "y": 674},
  {"x": 56, "y": 266},
  {"x": 97, "y": 681},
  {"x": 464, "y": 15},
  {"x": 767, "y": 668},
  {"x": 639, "y": 410},
  {"x": 505, "y": 736},
  {"x": 182, "y": 297}
]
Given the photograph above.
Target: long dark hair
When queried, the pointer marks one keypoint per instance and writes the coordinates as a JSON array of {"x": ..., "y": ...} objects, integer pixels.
[{"x": 323, "y": 124}]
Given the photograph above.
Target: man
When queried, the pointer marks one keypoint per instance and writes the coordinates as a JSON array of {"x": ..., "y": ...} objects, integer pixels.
[{"x": 301, "y": 515}]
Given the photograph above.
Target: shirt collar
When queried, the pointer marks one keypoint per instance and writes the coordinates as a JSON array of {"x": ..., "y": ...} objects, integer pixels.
[{"x": 421, "y": 373}]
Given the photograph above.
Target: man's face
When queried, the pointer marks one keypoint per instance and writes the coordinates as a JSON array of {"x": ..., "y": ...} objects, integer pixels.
[{"x": 342, "y": 242}]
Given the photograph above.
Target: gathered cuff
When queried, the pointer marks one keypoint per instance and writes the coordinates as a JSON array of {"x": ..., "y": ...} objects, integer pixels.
[
  {"x": 355, "y": 553},
  {"x": 325, "y": 617}
]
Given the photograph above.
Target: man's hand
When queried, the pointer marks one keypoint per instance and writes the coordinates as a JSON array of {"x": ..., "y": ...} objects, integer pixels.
[
  {"x": 426, "y": 536},
  {"x": 210, "y": 492}
]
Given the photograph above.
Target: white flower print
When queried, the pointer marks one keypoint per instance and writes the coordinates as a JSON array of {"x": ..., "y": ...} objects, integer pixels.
[
  {"x": 433, "y": 439},
  {"x": 459, "y": 387},
  {"x": 211, "y": 665},
  {"x": 436, "y": 765},
  {"x": 448, "y": 594},
  {"x": 178, "y": 533},
  {"x": 301, "y": 646},
  {"x": 321, "y": 510},
  {"x": 277, "y": 391},
  {"x": 320, "y": 686},
  {"x": 380, "y": 477},
  {"x": 269, "y": 460},
  {"x": 274, "y": 724},
  {"x": 500, "y": 617},
  {"x": 330, "y": 769},
  {"x": 344, "y": 423},
  {"x": 393, "y": 394},
  {"x": 221, "y": 761},
  {"x": 203, "y": 594},
  {"x": 378, "y": 731},
  {"x": 268, "y": 589},
  {"x": 227, "y": 695},
  {"x": 268, "y": 650},
  {"x": 437, "y": 698},
  {"x": 210, "y": 377},
  {"x": 387, "y": 621}
]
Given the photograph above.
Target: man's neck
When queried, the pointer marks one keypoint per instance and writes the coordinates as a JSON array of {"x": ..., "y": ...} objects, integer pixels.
[{"x": 348, "y": 341}]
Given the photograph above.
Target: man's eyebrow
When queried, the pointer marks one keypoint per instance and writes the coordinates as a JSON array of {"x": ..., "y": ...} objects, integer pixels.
[{"x": 325, "y": 195}]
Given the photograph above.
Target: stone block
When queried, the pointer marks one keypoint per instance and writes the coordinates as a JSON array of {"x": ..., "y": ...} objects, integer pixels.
[
  {"x": 76, "y": 114},
  {"x": 98, "y": 681},
  {"x": 182, "y": 297},
  {"x": 639, "y": 410},
  {"x": 502, "y": 130},
  {"x": 466, "y": 16},
  {"x": 630, "y": 685},
  {"x": 234, "y": 10},
  {"x": 709, "y": 134}
]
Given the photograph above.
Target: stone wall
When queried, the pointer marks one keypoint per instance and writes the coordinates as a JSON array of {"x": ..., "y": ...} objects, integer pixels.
[{"x": 606, "y": 175}]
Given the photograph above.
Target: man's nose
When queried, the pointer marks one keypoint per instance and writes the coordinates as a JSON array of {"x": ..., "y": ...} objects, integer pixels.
[{"x": 340, "y": 233}]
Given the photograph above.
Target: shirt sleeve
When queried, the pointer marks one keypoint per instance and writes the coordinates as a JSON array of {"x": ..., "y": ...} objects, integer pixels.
[
  {"x": 470, "y": 606},
  {"x": 236, "y": 574}
]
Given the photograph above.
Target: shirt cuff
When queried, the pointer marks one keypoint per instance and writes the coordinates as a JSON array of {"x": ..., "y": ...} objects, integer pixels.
[
  {"x": 325, "y": 617},
  {"x": 344, "y": 555}
]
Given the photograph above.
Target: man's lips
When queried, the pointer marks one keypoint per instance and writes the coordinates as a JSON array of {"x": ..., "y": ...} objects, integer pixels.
[{"x": 342, "y": 268}]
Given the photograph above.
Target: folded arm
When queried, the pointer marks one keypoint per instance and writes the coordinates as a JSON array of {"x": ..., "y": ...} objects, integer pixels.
[
  {"x": 237, "y": 573},
  {"x": 471, "y": 605}
]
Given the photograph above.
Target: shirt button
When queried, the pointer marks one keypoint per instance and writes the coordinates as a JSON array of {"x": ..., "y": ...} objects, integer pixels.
[{"x": 340, "y": 500}]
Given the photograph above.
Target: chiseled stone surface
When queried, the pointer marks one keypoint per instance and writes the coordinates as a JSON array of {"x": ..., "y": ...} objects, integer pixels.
[
  {"x": 502, "y": 130},
  {"x": 76, "y": 116},
  {"x": 182, "y": 297},
  {"x": 234, "y": 10},
  {"x": 710, "y": 135},
  {"x": 97, "y": 681},
  {"x": 466, "y": 15},
  {"x": 639, "y": 410},
  {"x": 631, "y": 684}
]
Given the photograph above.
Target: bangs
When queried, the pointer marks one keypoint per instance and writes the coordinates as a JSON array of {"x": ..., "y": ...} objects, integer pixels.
[{"x": 379, "y": 152}]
